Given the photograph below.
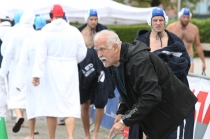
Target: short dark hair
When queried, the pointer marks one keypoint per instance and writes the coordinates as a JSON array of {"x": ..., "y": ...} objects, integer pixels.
[
  {"x": 11, "y": 22},
  {"x": 58, "y": 17},
  {"x": 2, "y": 20}
]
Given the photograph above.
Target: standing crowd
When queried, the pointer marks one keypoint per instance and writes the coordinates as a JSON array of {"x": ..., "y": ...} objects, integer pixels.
[{"x": 55, "y": 71}]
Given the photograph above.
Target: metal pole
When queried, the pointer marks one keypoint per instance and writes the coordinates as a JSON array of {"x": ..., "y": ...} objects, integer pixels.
[
  {"x": 198, "y": 76},
  {"x": 178, "y": 7}
]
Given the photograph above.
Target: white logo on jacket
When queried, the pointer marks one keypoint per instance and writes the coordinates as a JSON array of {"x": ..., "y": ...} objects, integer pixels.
[
  {"x": 88, "y": 70},
  {"x": 101, "y": 77}
]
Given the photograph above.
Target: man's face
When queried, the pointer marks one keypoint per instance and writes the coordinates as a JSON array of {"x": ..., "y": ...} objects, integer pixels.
[
  {"x": 92, "y": 21},
  {"x": 105, "y": 54},
  {"x": 184, "y": 20},
  {"x": 158, "y": 23}
]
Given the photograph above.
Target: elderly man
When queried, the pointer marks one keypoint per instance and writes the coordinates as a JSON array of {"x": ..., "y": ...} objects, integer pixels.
[
  {"x": 147, "y": 87},
  {"x": 189, "y": 33}
]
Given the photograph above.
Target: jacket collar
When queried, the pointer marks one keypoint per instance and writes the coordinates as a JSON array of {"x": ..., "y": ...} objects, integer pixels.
[
  {"x": 98, "y": 27},
  {"x": 147, "y": 34},
  {"x": 123, "y": 52}
]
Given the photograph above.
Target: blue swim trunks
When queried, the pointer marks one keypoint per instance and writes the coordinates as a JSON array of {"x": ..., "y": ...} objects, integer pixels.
[{"x": 191, "y": 59}]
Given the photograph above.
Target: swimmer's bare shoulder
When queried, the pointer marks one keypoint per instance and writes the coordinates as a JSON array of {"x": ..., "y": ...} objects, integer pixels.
[
  {"x": 193, "y": 27},
  {"x": 172, "y": 26}
]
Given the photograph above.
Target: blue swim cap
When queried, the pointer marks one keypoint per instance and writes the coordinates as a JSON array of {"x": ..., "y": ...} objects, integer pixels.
[
  {"x": 17, "y": 17},
  {"x": 184, "y": 11},
  {"x": 39, "y": 22},
  {"x": 157, "y": 12},
  {"x": 91, "y": 12}
]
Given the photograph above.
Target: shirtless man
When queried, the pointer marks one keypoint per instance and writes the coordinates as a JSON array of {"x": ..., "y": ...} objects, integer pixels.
[
  {"x": 91, "y": 27},
  {"x": 88, "y": 31},
  {"x": 189, "y": 33}
]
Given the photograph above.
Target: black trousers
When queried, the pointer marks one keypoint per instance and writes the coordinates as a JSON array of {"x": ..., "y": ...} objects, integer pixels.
[{"x": 186, "y": 129}]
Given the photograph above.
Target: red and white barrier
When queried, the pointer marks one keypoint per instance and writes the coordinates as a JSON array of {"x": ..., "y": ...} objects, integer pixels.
[{"x": 200, "y": 86}]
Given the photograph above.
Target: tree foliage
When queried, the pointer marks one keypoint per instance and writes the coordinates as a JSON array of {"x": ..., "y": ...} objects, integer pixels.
[{"x": 165, "y": 3}]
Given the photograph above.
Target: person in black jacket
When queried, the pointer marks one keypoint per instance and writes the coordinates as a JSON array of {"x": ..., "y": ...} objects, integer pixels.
[
  {"x": 152, "y": 96},
  {"x": 170, "y": 48},
  {"x": 96, "y": 84}
]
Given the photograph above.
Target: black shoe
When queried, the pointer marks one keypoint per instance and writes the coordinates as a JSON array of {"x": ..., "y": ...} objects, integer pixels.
[{"x": 17, "y": 126}]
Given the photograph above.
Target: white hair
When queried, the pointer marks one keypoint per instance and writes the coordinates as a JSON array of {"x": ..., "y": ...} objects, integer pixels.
[{"x": 111, "y": 37}]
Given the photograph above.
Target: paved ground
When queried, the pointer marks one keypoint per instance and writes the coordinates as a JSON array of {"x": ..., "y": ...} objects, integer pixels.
[
  {"x": 43, "y": 134},
  {"x": 79, "y": 134}
]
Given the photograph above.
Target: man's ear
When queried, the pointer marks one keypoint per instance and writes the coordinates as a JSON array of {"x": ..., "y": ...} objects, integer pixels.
[{"x": 115, "y": 47}]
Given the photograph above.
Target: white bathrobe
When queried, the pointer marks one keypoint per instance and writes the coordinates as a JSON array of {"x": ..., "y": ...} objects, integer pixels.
[
  {"x": 13, "y": 48},
  {"x": 4, "y": 29},
  {"x": 24, "y": 72},
  {"x": 60, "y": 49}
]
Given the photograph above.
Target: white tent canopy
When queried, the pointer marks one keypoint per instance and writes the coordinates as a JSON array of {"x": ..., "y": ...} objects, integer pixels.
[{"x": 110, "y": 12}]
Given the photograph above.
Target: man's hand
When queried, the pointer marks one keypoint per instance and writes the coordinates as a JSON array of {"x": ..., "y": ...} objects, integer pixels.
[
  {"x": 35, "y": 81},
  {"x": 204, "y": 66},
  {"x": 117, "y": 129},
  {"x": 117, "y": 119}
]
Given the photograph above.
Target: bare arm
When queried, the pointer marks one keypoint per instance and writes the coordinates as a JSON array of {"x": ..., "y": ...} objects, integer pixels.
[{"x": 199, "y": 49}]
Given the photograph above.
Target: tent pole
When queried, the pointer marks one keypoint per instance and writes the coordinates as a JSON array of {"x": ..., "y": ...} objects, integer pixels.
[{"x": 178, "y": 7}]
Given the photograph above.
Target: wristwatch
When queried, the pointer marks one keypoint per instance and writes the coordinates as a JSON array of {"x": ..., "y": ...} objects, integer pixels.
[{"x": 121, "y": 121}]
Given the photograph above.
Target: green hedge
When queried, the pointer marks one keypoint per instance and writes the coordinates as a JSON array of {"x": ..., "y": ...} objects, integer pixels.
[
  {"x": 204, "y": 28},
  {"x": 127, "y": 33}
]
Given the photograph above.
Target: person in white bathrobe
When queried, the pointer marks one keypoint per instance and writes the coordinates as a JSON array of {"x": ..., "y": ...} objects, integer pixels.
[
  {"x": 16, "y": 99},
  {"x": 61, "y": 47},
  {"x": 24, "y": 69},
  {"x": 5, "y": 26}
]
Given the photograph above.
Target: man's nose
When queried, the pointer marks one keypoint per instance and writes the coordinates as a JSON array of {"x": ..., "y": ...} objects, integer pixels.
[
  {"x": 94, "y": 21},
  {"x": 99, "y": 54}
]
